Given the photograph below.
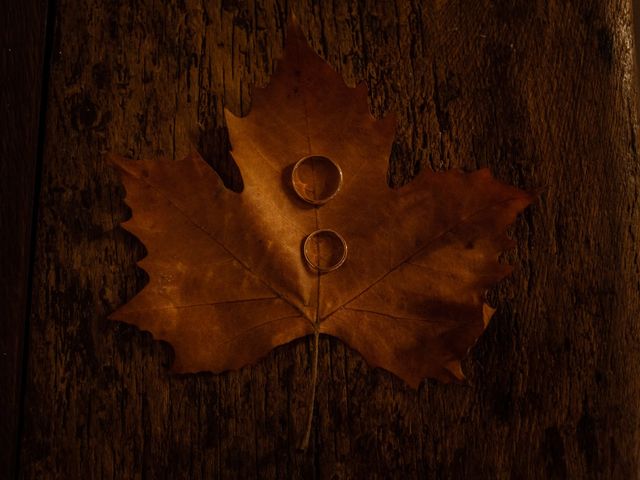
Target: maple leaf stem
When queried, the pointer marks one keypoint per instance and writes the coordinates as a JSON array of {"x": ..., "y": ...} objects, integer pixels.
[{"x": 312, "y": 400}]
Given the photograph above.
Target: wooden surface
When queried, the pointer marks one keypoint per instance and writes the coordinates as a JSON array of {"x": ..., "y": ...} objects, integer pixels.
[
  {"x": 22, "y": 45},
  {"x": 541, "y": 92}
]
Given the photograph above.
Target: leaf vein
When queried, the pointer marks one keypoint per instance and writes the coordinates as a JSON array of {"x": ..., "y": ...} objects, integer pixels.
[{"x": 205, "y": 304}]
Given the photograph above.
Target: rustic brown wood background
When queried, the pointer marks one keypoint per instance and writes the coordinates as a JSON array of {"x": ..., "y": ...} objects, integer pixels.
[
  {"x": 22, "y": 77},
  {"x": 542, "y": 92}
]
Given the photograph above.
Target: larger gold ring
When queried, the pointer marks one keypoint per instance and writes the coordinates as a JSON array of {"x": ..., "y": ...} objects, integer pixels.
[
  {"x": 324, "y": 250},
  {"x": 316, "y": 179}
]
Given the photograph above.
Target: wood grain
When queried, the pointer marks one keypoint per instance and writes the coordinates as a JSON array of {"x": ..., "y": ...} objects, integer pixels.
[
  {"x": 541, "y": 92},
  {"x": 22, "y": 46}
]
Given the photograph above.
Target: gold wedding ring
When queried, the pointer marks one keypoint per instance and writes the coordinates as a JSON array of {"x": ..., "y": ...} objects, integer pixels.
[
  {"x": 316, "y": 179},
  {"x": 324, "y": 250}
]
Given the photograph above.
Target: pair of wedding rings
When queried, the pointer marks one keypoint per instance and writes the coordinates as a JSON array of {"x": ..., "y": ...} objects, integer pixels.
[{"x": 316, "y": 179}]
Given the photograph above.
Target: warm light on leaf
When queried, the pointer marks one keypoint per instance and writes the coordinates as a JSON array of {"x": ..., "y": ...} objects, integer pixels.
[{"x": 228, "y": 278}]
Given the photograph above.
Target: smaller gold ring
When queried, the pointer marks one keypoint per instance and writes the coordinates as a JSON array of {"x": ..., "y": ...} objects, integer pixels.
[
  {"x": 316, "y": 179},
  {"x": 337, "y": 257}
]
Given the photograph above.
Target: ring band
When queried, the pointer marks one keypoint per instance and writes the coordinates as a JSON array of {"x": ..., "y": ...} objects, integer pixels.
[
  {"x": 316, "y": 179},
  {"x": 334, "y": 241}
]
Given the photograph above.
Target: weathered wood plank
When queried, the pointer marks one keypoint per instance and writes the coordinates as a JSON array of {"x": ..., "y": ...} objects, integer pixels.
[
  {"x": 22, "y": 45},
  {"x": 542, "y": 92}
]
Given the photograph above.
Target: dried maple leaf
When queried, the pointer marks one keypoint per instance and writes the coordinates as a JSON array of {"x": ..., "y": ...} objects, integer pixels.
[{"x": 228, "y": 279}]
